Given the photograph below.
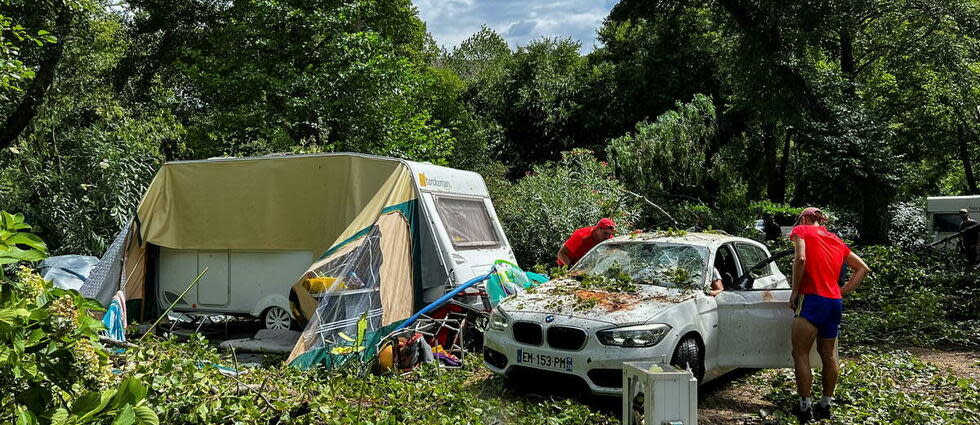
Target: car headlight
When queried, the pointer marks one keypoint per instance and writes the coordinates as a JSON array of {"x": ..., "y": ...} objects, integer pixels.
[
  {"x": 634, "y": 336},
  {"x": 498, "y": 320}
]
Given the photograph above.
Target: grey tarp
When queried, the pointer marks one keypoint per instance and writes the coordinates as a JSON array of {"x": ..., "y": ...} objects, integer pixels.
[{"x": 106, "y": 277}]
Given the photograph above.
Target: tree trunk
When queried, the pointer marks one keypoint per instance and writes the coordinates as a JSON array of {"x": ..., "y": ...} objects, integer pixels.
[
  {"x": 777, "y": 185},
  {"x": 25, "y": 112},
  {"x": 964, "y": 148},
  {"x": 874, "y": 218},
  {"x": 769, "y": 159},
  {"x": 848, "y": 65}
]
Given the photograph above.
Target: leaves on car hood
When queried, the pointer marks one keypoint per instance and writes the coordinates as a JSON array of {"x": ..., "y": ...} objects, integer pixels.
[{"x": 568, "y": 297}]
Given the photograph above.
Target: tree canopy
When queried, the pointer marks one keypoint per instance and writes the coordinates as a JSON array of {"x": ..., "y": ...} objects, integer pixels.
[{"x": 706, "y": 104}]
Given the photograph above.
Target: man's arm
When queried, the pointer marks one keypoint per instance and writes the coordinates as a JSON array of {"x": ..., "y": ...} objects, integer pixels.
[
  {"x": 563, "y": 256},
  {"x": 860, "y": 271},
  {"x": 799, "y": 261},
  {"x": 716, "y": 287}
]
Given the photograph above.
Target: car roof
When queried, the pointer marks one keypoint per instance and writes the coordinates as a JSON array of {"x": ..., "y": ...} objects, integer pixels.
[{"x": 706, "y": 239}]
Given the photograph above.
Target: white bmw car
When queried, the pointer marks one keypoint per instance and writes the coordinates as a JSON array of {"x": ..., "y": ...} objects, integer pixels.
[{"x": 587, "y": 326}]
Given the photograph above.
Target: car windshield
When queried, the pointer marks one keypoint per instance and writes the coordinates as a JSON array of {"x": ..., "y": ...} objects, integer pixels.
[{"x": 651, "y": 263}]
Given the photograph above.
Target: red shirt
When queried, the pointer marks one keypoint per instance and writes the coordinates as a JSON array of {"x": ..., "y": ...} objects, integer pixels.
[
  {"x": 825, "y": 254},
  {"x": 578, "y": 244}
]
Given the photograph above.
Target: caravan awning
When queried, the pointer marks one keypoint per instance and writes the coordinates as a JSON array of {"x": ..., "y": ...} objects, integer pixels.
[{"x": 300, "y": 202}]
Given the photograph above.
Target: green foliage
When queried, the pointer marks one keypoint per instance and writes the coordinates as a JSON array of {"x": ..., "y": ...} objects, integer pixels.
[
  {"x": 667, "y": 155},
  {"x": 16, "y": 243},
  {"x": 764, "y": 207},
  {"x": 614, "y": 279},
  {"x": 889, "y": 388},
  {"x": 13, "y": 71},
  {"x": 185, "y": 387},
  {"x": 278, "y": 76},
  {"x": 52, "y": 363},
  {"x": 923, "y": 298},
  {"x": 542, "y": 209}
]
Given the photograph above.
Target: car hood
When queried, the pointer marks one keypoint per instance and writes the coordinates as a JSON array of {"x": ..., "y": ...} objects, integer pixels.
[{"x": 566, "y": 297}]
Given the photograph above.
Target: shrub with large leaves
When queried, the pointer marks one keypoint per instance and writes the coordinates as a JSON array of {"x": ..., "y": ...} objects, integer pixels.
[{"x": 52, "y": 367}]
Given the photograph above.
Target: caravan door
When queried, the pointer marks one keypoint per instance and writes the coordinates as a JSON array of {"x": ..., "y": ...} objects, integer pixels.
[{"x": 469, "y": 232}]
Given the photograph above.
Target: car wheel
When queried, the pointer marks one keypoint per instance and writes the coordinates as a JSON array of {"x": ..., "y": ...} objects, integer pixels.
[
  {"x": 688, "y": 355},
  {"x": 276, "y": 318}
]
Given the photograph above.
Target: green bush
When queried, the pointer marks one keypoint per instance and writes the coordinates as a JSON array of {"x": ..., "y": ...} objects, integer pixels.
[
  {"x": 52, "y": 367},
  {"x": 913, "y": 297},
  {"x": 543, "y": 208}
]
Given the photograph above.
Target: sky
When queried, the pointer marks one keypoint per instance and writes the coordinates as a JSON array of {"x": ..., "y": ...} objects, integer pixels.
[{"x": 518, "y": 21}]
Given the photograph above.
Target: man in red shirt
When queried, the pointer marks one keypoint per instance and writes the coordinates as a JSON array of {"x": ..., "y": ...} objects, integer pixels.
[
  {"x": 583, "y": 239},
  {"x": 816, "y": 299}
]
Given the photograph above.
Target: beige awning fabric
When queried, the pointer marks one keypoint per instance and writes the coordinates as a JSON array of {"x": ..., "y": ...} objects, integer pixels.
[{"x": 303, "y": 202}]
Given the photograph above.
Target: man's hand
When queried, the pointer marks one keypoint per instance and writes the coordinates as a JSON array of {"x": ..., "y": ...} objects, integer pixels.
[{"x": 794, "y": 299}]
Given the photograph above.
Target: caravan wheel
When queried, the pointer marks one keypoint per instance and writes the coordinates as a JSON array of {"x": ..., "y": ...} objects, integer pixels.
[{"x": 276, "y": 318}]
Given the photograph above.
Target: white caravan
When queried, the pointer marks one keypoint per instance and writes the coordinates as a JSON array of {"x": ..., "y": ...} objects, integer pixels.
[
  {"x": 459, "y": 233},
  {"x": 943, "y": 215}
]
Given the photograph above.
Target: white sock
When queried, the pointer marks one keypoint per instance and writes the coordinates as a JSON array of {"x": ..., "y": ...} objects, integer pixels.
[
  {"x": 826, "y": 401},
  {"x": 805, "y": 403}
]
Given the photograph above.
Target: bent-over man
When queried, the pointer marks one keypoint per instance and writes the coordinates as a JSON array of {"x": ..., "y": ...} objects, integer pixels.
[{"x": 584, "y": 239}]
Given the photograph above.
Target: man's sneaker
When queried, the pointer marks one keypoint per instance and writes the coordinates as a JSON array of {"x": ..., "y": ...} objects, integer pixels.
[
  {"x": 804, "y": 416},
  {"x": 822, "y": 411}
]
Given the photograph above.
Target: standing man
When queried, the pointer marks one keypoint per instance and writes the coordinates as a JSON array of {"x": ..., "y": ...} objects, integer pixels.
[
  {"x": 816, "y": 299},
  {"x": 583, "y": 239},
  {"x": 969, "y": 233}
]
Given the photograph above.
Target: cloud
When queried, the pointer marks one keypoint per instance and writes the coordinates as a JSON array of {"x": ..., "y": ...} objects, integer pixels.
[{"x": 518, "y": 21}]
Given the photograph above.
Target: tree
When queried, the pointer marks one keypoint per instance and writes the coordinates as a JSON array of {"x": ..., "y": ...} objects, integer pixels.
[{"x": 258, "y": 77}]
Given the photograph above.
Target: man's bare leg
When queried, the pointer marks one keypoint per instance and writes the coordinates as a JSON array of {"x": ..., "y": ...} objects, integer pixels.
[
  {"x": 804, "y": 333},
  {"x": 831, "y": 371}
]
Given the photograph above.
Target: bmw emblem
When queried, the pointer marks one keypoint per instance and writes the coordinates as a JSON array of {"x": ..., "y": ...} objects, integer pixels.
[{"x": 549, "y": 318}]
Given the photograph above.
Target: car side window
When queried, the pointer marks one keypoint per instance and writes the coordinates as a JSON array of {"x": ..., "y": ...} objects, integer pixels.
[
  {"x": 750, "y": 255},
  {"x": 725, "y": 262}
]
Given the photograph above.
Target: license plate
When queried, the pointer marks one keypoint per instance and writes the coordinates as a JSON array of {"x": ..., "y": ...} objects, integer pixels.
[{"x": 544, "y": 361}]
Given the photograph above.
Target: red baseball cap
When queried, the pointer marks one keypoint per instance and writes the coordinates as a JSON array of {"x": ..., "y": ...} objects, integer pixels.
[
  {"x": 606, "y": 222},
  {"x": 812, "y": 212}
]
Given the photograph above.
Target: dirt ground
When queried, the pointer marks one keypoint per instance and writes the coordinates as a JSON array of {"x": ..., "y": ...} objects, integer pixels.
[
  {"x": 736, "y": 398},
  {"x": 958, "y": 362}
]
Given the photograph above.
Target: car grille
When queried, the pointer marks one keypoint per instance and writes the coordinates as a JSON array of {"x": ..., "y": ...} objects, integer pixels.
[
  {"x": 610, "y": 378},
  {"x": 494, "y": 358},
  {"x": 565, "y": 338},
  {"x": 527, "y": 333}
]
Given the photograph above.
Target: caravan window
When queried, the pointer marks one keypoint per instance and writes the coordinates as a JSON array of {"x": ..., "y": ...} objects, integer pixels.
[
  {"x": 467, "y": 222},
  {"x": 946, "y": 222}
]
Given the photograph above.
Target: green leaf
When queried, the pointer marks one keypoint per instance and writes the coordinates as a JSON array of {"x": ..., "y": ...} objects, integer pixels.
[
  {"x": 126, "y": 416},
  {"x": 10, "y": 315},
  {"x": 22, "y": 254},
  {"x": 59, "y": 416},
  {"x": 25, "y": 417},
  {"x": 31, "y": 240},
  {"x": 85, "y": 403},
  {"x": 130, "y": 392},
  {"x": 146, "y": 415}
]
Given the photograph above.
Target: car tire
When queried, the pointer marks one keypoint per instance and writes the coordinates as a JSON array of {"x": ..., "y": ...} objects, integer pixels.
[
  {"x": 688, "y": 354},
  {"x": 277, "y": 318}
]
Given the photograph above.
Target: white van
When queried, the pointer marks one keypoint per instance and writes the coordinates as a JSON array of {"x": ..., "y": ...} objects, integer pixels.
[
  {"x": 461, "y": 237},
  {"x": 943, "y": 214}
]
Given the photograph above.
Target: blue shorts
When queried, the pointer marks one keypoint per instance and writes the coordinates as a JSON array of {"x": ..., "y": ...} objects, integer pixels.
[{"x": 822, "y": 312}]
